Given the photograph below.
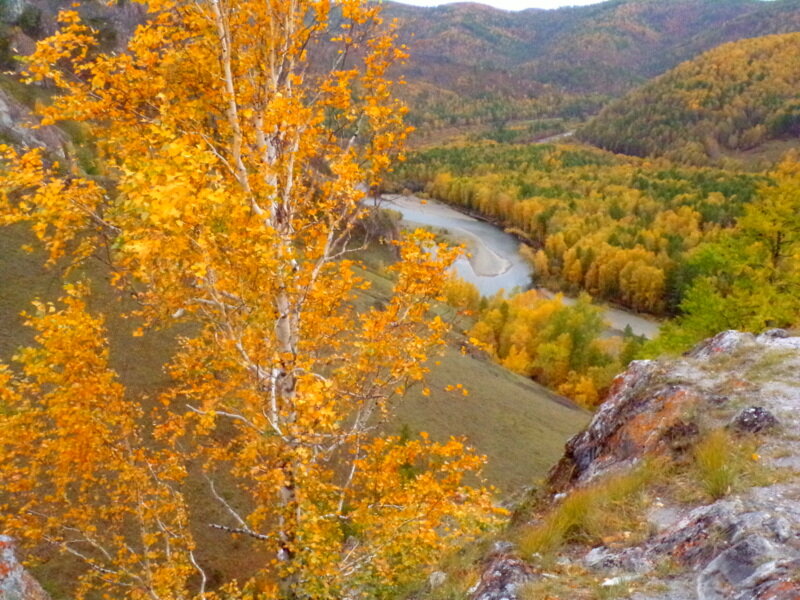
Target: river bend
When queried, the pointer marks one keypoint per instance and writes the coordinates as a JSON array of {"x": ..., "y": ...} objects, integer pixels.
[{"x": 494, "y": 262}]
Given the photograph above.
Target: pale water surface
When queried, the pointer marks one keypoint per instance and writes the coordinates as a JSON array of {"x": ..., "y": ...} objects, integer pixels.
[{"x": 494, "y": 263}]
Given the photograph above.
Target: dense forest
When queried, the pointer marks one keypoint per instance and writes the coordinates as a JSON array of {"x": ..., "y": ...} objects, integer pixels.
[
  {"x": 733, "y": 98},
  {"x": 565, "y": 347},
  {"x": 715, "y": 247},
  {"x": 620, "y": 228},
  {"x": 748, "y": 279}
]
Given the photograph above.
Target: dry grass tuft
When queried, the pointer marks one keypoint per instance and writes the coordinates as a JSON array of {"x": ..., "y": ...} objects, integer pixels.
[
  {"x": 717, "y": 463},
  {"x": 606, "y": 509}
]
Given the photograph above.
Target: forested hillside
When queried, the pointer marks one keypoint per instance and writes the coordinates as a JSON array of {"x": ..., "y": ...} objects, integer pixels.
[
  {"x": 733, "y": 98},
  {"x": 471, "y": 63},
  {"x": 475, "y": 66},
  {"x": 715, "y": 247},
  {"x": 619, "y": 228}
]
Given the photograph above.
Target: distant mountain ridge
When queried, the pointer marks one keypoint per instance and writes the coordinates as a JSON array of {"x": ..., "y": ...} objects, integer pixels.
[
  {"x": 471, "y": 64},
  {"x": 731, "y": 99},
  {"x": 469, "y": 53},
  {"x": 602, "y": 48}
]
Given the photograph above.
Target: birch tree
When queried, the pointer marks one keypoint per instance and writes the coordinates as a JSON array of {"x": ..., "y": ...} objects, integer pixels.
[{"x": 239, "y": 136}]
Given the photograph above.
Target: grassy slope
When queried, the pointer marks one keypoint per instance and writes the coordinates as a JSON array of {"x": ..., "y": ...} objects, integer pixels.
[{"x": 518, "y": 424}]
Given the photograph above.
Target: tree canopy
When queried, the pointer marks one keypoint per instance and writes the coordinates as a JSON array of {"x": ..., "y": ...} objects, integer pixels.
[
  {"x": 732, "y": 98},
  {"x": 236, "y": 140}
]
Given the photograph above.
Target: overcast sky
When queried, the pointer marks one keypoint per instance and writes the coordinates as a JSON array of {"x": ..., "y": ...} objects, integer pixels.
[{"x": 510, "y": 4}]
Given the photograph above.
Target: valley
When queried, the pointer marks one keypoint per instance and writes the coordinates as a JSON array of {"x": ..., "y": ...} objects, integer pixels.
[
  {"x": 476, "y": 68},
  {"x": 229, "y": 372},
  {"x": 494, "y": 262}
]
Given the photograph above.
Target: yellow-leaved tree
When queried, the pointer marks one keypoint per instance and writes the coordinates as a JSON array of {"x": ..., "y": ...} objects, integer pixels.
[{"x": 237, "y": 138}]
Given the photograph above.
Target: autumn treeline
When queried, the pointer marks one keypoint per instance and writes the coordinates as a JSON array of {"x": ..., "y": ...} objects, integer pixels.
[
  {"x": 748, "y": 278},
  {"x": 732, "y": 98},
  {"x": 618, "y": 228},
  {"x": 565, "y": 347},
  {"x": 434, "y": 108}
]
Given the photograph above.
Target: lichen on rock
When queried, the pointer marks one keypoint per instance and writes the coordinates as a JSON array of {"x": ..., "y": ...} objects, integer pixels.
[
  {"x": 744, "y": 545},
  {"x": 15, "y": 582}
]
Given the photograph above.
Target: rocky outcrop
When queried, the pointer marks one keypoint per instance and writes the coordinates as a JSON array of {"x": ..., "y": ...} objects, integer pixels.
[
  {"x": 643, "y": 414},
  {"x": 15, "y": 582},
  {"x": 754, "y": 419},
  {"x": 744, "y": 546},
  {"x": 113, "y": 21},
  {"x": 655, "y": 407},
  {"x": 22, "y": 23},
  {"x": 504, "y": 574},
  {"x": 11, "y": 10},
  {"x": 15, "y": 129}
]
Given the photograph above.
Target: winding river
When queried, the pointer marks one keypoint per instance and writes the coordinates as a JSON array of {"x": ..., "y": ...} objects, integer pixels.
[{"x": 494, "y": 261}]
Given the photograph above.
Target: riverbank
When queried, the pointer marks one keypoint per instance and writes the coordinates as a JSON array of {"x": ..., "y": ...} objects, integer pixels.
[
  {"x": 485, "y": 261},
  {"x": 494, "y": 262}
]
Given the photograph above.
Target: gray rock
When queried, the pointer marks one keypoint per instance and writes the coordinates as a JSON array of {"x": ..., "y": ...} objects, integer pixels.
[
  {"x": 773, "y": 580},
  {"x": 636, "y": 418},
  {"x": 726, "y": 342},
  {"x": 619, "y": 580},
  {"x": 502, "y": 578},
  {"x": 15, "y": 582},
  {"x": 754, "y": 419},
  {"x": 11, "y": 10},
  {"x": 502, "y": 547},
  {"x": 662, "y": 517},
  {"x": 775, "y": 334},
  {"x": 599, "y": 558},
  {"x": 15, "y": 125},
  {"x": 730, "y": 568},
  {"x": 436, "y": 579},
  {"x": 781, "y": 528}
]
